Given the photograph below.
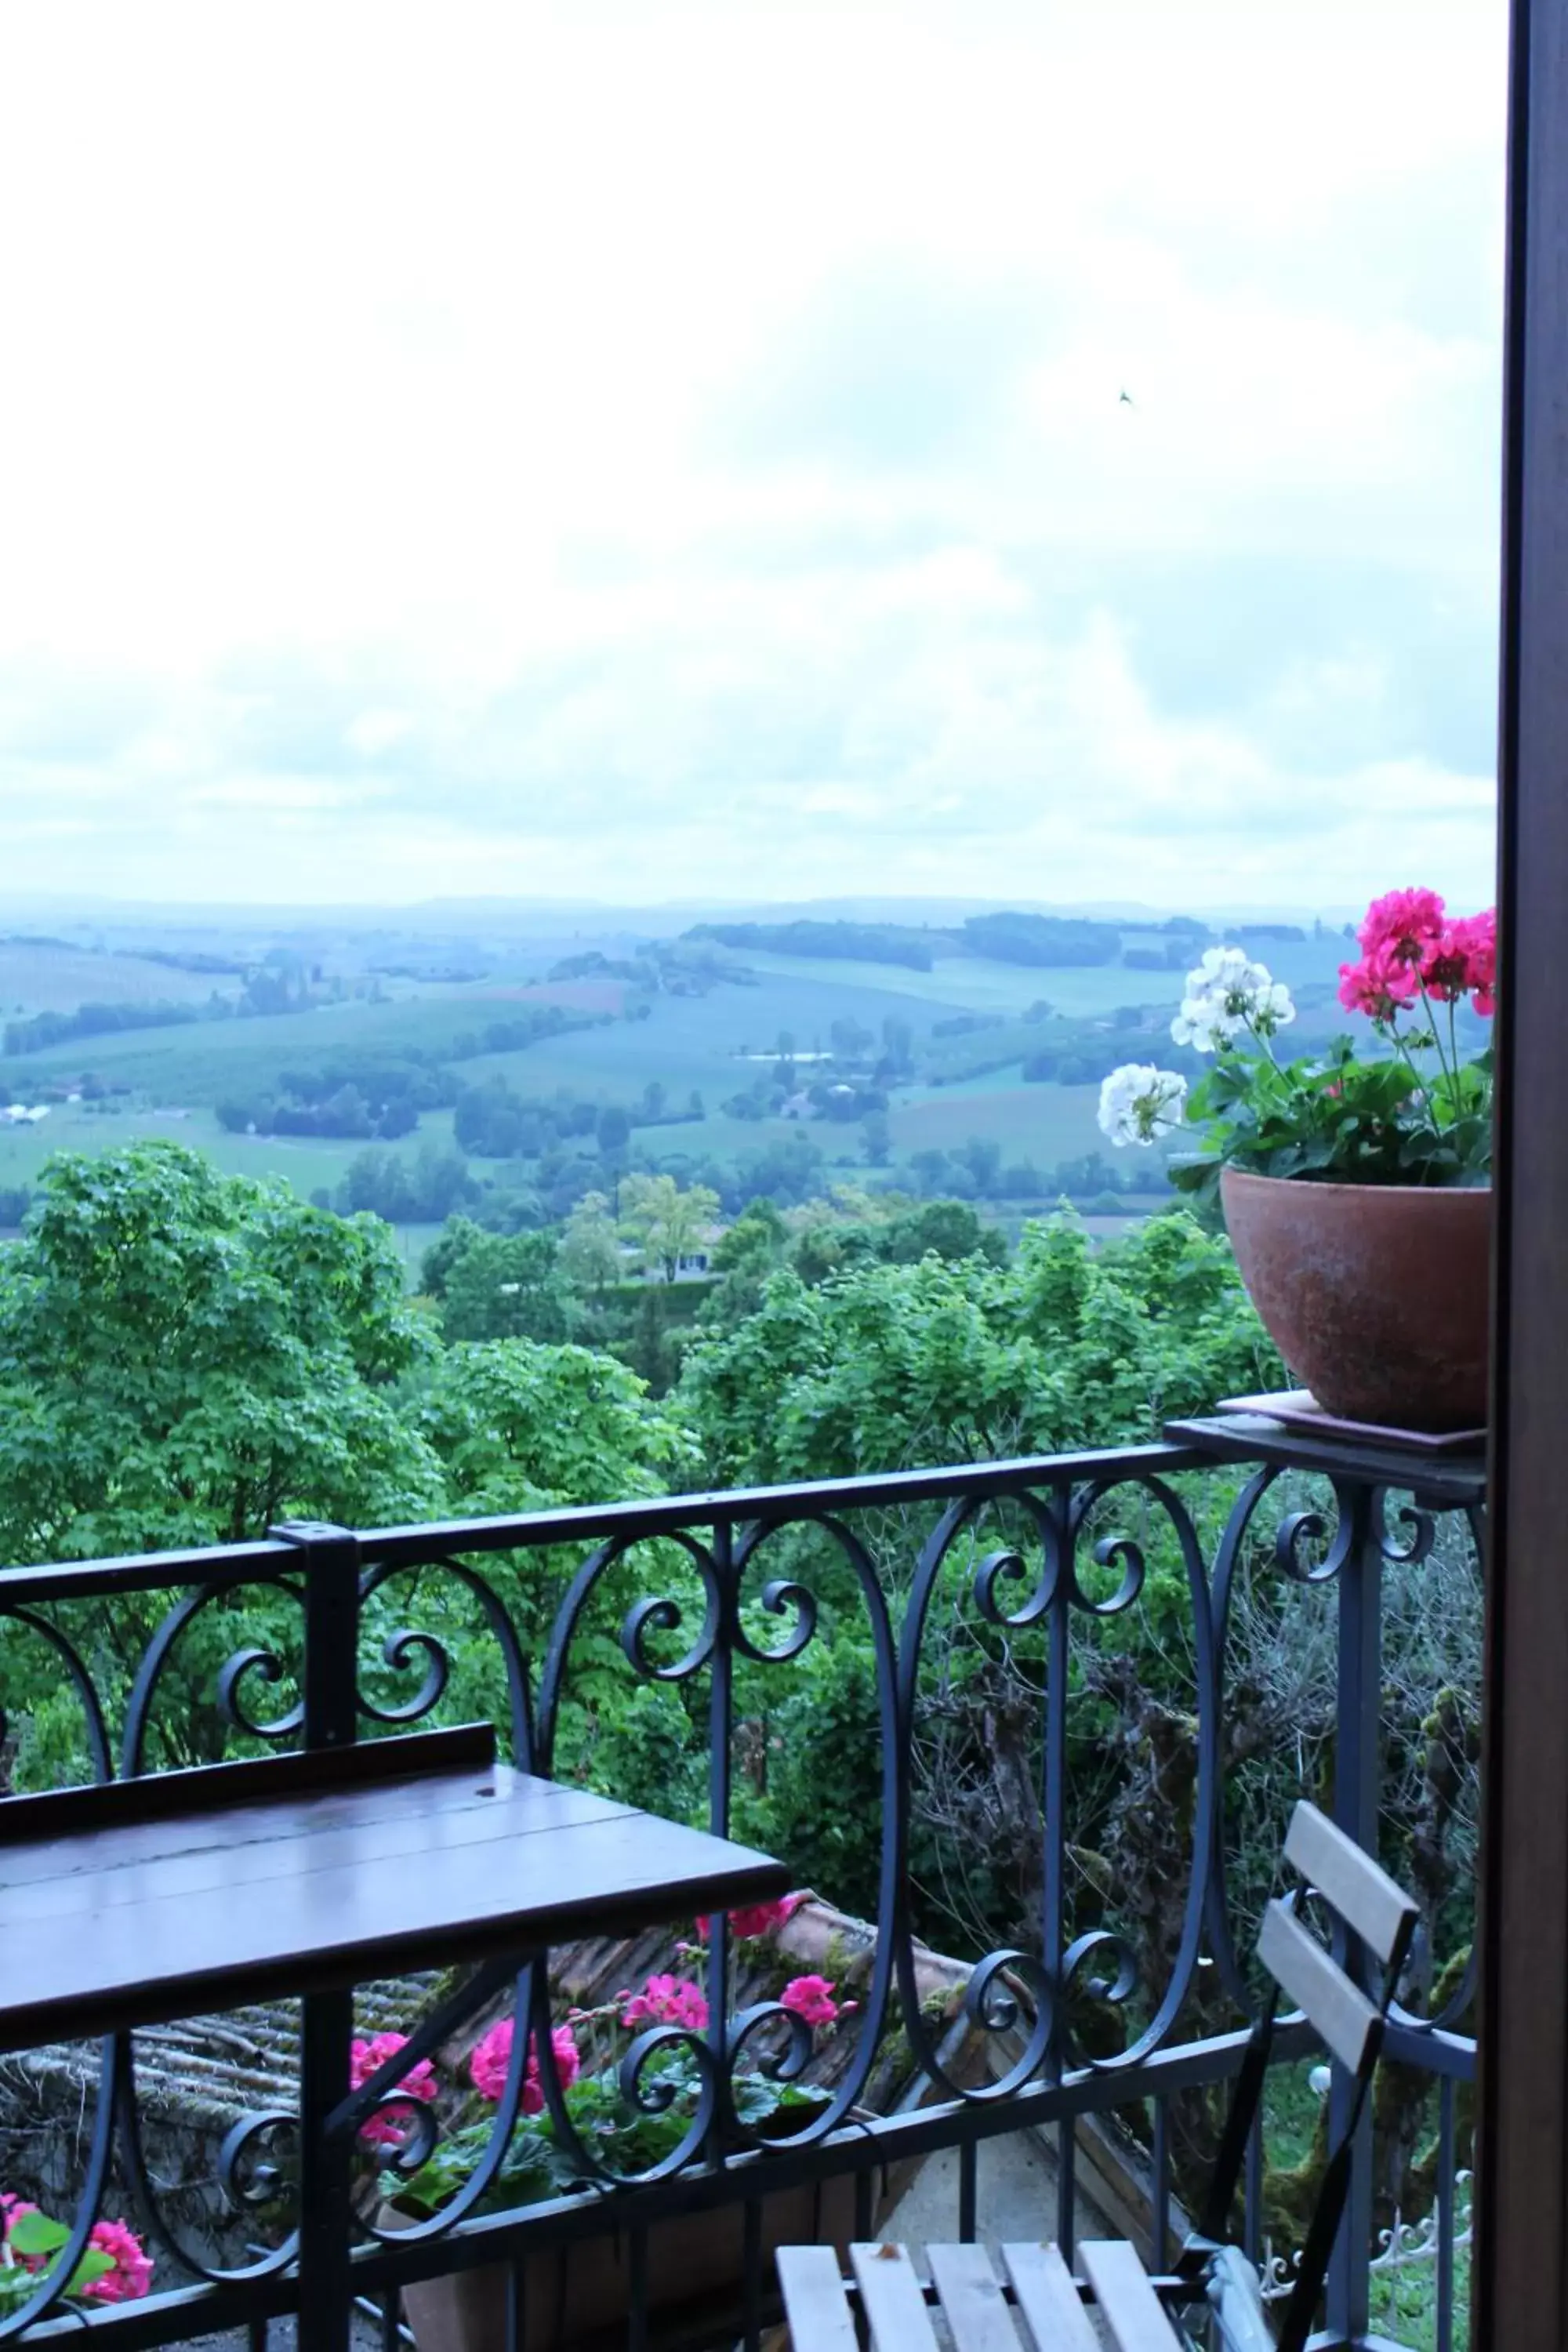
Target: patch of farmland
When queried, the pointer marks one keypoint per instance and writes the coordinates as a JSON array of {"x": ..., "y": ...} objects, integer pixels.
[
  {"x": 581, "y": 995},
  {"x": 1043, "y": 1123},
  {"x": 204, "y": 1062},
  {"x": 978, "y": 984},
  {"x": 62, "y": 979}
]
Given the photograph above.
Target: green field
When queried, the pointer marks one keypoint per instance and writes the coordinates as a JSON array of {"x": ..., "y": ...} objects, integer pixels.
[
  {"x": 713, "y": 1045},
  {"x": 59, "y": 980},
  {"x": 306, "y": 1161},
  {"x": 201, "y": 1062},
  {"x": 975, "y": 984},
  {"x": 1042, "y": 1123}
]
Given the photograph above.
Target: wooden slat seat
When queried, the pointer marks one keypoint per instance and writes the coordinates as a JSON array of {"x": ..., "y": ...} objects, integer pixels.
[{"x": 1036, "y": 2308}]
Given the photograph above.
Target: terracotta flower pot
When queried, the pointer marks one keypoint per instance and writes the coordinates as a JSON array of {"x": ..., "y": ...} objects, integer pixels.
[{"x": 1375, "y": 1295}]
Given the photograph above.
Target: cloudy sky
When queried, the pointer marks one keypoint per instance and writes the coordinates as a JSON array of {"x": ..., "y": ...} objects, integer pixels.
[{"x": 630, "y": 449}]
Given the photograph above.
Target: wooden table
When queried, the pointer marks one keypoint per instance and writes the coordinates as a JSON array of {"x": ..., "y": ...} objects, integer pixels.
[{"x": 144, "y": 1901}]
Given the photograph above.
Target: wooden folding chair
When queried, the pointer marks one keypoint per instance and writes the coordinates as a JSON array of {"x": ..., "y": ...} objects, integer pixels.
[{"x": 983, "y": 2313}]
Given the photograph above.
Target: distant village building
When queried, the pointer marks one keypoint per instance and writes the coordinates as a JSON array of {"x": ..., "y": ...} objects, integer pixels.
[{"x": 24, "y": 1114}]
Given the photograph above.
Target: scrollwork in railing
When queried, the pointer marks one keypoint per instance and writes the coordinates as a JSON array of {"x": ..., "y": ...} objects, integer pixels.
[
  {"x": 402, "y": 1649},
  {"x": 1400, "y": 2245},
  {"x": 792, "y": 1593},
  {"x": 251, "y": 2178},
  {"x": 255, "y": 1659},
  {"x": 1119, "y": 1549},
  {"x": 992, "y": 2004},
  {"x": 1113, "y": 1550},
  {"x": 399, "y": 1652},
  {"x": 268, "y": 1667}
]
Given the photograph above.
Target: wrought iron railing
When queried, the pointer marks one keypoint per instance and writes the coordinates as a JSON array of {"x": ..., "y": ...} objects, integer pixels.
[{"x": 1045, "y": 1581}]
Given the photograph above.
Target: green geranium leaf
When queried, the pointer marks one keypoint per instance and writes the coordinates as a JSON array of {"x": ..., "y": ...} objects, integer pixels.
[{"x": 34, "y": 2234}]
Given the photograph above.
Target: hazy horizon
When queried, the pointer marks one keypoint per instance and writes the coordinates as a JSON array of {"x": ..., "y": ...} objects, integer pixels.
[
  {"x": 638, "y": 451},
  {"x": 79, "y": 910}
]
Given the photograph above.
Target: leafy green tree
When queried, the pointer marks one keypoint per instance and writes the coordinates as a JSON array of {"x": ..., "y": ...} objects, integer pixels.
[
  {"x": 666, "y": 1223},
  {"x": 517, "y": 1427},
  {"x": 932, "y": 1170},
  {"x": 590, "y": 1246},
  {"x": 877, "y": 1139},
  {"x": 506, "y": 1286},
  {"x": 950, "y": 1229},
  {"x": 982, "y": 1157},
  {"x": 757, "y": 1237},
  {"x": 888, "y": 1366},
  {"x": 185, "y": 1359},
  {"x": 456, "y": 1236}
]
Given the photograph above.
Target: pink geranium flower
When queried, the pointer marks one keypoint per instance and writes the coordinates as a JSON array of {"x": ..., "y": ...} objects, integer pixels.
[
  {"x": 1473, "y": 939},
  {"x": 667, "y": 2001},
  {"x": 1379, "y": 985},
  {"x": 757, "y": 1919},
  {"x": 132, "y": 2276},
  {"x": 492, "y": 2057},
  {"x": 388, "y": 2128},
  {"x": 1401, "y": 925},
  {"x": 812, "y": 1998}
]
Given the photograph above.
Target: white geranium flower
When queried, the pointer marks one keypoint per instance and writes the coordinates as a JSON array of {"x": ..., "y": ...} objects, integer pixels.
[
  {"x": 1227, "y": 992},
  {"x": 1138, "y": 1103},
  {"x": 1275, "y": 1009},
  {"x": 1202, "y": 1021}
]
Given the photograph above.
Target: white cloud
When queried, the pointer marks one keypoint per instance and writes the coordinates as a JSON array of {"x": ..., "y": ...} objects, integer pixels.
[{"x": 671, "y": 444}]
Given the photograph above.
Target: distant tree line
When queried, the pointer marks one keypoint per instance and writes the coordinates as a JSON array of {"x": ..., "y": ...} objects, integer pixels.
[
  {"x": 676, "y": 968},
  {"x": 423, "y": 1190},
  {"x": 359, "y": 1096},
  {"x": 265, "y": 991},
  {"x": 1005, "y": 938},
  {"x": 351, "y": 1097},
  {"x": 1045, "y": 939},
  {"x": 38, "y": 1031},
  {"x": 850, "y": 942},
  {"x": 187, "y": 959}
]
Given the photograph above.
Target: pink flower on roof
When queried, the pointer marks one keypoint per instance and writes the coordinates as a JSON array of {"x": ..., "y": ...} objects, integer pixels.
[
  {"x": 492, "y": 2059},
  {"x": 132, "y": 2276},
  {"x": 812, "y": 1998},
  {"x": 16, "y": 2209},
  {"x": 756, "y": 1918},
  {"x": 389, "y": 2127},
  {"x": 667, "y": 2001}
]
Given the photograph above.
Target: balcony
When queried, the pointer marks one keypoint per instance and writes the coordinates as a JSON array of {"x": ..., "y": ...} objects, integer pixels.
[{"x": 1056, "y": 1712}]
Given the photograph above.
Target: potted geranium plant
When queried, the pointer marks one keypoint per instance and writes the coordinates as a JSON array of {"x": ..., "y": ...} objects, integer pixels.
[
  {"x": 1355, "y": 1186},
  {"x": 574, "y": 2295}
]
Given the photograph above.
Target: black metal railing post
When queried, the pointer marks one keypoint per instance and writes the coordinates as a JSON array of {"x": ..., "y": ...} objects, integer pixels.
[
  {"x": 331, "y": 1630},
  {"x": 326, "y": 2160},
  {"x": 1358, "y": 1774}
]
